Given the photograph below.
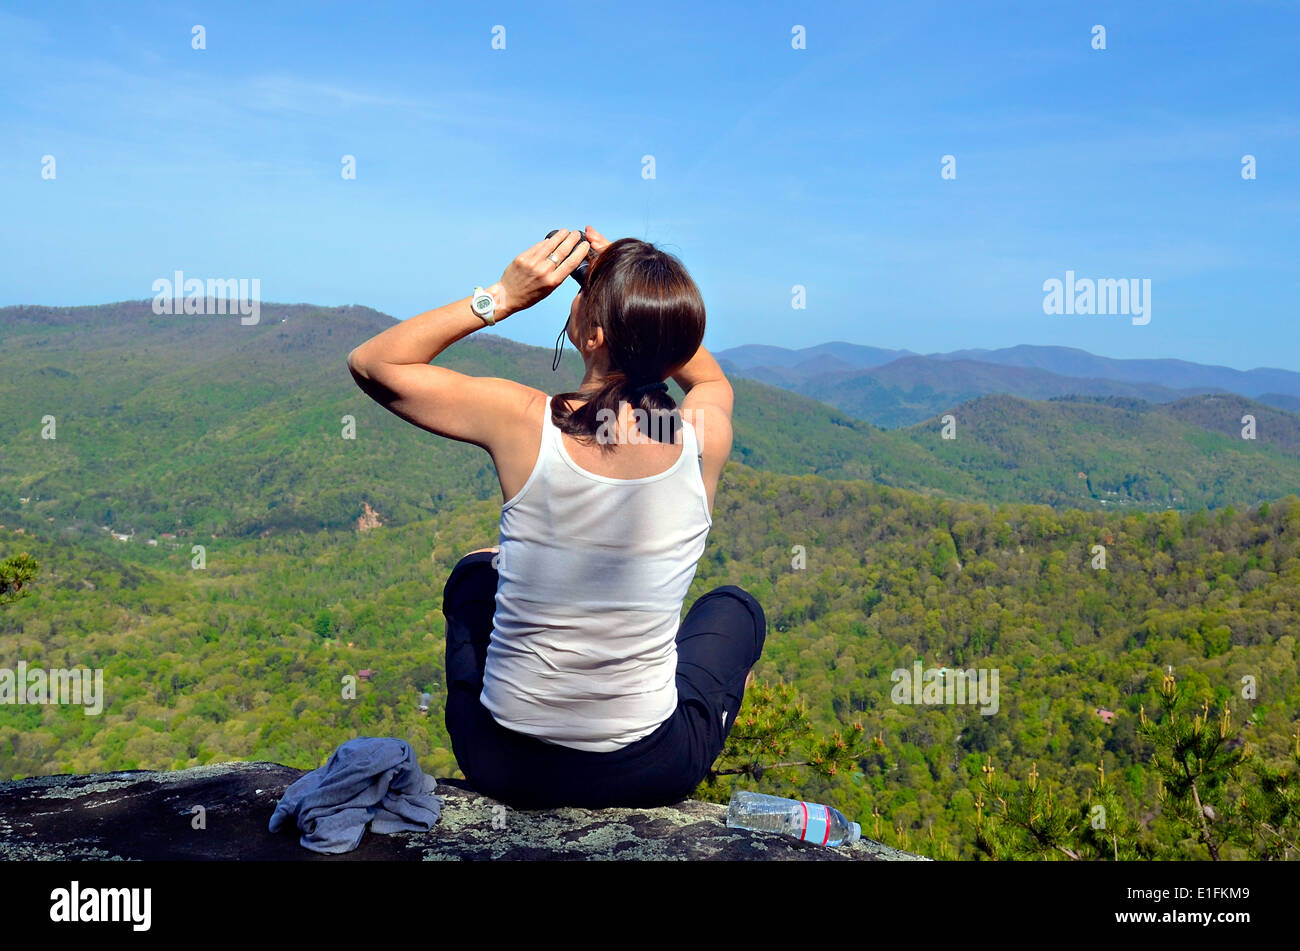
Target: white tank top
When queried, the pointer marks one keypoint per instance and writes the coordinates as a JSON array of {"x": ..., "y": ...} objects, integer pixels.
[{"x": 593, "y": 571}]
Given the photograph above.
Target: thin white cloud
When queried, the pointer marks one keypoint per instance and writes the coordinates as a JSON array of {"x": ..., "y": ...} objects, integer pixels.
[{"x": 289, "y": 94}]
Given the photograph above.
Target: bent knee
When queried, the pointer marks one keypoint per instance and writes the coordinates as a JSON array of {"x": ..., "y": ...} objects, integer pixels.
[
  {"x": 755, "y": 610},
  {"x": 749, "y": 601}
]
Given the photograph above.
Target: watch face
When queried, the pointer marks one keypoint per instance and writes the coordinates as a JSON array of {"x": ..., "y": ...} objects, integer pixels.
[{"x": 482, "y": 304}]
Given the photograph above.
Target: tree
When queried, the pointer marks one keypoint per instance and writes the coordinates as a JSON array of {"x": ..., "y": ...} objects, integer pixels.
[
  {"x": 1205, "y": 788},
  {"x": 773, "y": 725},
  {"x": 1031, "y": 821},
  {"x": 16, "y": 573},
  {"x": 1212, "y": 790}
]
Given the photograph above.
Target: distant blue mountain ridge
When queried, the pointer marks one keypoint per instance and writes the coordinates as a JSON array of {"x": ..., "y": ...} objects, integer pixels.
[{"x": 894, "y": 388}]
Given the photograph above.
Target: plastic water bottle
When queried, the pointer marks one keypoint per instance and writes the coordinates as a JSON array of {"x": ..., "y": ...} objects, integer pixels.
[{"x": 806, "y": 821}]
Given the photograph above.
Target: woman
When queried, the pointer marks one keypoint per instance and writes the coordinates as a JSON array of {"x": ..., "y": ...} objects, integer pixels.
[{"x": 571, "y": 678}]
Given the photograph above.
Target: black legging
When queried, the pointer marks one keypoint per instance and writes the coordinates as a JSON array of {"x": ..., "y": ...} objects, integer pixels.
[{"x": 718, "y": 642}]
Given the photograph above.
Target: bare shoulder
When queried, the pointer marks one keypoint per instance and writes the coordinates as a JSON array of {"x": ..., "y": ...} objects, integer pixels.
[
  {"x": 518, "y": 409},
  {"x": 518, "y": 438}
]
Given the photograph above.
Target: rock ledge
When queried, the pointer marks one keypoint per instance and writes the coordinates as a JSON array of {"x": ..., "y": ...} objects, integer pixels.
[{"x": 148, "y": 815}]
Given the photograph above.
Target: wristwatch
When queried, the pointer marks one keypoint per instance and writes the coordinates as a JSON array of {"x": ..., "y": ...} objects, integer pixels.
[{"x": 484, "y": 305}]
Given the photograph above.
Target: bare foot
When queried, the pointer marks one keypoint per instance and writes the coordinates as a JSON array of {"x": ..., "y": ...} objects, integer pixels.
[{"x": 749, "y": 680}]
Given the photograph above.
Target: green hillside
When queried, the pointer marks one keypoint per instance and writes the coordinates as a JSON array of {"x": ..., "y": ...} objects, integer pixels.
[
  {"x": 193, "y": 424},
  {"x": 202, "y": 425},
  {"x": 229, "y": 437},
  {"x": 1114, "y": 452},
  {"x": 245, "y": 658}
]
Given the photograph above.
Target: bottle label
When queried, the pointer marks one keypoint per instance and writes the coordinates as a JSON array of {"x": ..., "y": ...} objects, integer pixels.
[{"x": 816, "y": 823}]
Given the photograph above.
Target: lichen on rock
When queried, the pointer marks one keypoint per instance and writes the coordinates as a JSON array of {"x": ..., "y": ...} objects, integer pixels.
[{"x": 152, "y": 815}]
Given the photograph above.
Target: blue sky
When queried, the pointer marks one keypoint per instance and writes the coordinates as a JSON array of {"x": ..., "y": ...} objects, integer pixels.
[{"x": 774, "y": 166}]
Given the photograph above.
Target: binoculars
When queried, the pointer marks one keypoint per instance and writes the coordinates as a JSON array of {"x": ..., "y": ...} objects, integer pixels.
[{"x": 580, "y": 272}]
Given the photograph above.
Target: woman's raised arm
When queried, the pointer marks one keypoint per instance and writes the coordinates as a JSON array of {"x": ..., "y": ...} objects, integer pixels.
[{"x": 393, "y": 367}]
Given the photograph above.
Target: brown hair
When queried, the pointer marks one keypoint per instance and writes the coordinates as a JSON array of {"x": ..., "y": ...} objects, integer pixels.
[{"x": 652, "y": 315}]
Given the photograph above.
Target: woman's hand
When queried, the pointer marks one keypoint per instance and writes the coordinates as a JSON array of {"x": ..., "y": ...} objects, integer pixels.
[
  {"x": 597, "y": 240},
  {"x": 534, "y": 274}
]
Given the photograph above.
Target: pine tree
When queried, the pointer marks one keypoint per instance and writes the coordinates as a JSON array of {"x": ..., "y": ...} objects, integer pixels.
[
  {"x": 1212, "y": 790},
  {"x": 1215, "y": 788},
  {"x": 16, "y": 574},
  {"x": 771, "y": 738}
]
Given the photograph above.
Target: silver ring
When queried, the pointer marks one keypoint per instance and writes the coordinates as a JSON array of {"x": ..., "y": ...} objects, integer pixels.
[{"x": 552, "y": 258}]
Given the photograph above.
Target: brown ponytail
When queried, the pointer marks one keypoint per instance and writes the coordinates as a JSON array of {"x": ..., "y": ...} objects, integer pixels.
[{"x": 652, "y": 316}]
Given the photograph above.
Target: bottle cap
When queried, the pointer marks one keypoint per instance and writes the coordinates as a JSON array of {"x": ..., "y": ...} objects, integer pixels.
[{"x": 855, "y": 832}]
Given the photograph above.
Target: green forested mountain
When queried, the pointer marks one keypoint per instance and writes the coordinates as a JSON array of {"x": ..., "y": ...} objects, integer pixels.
[
  {"x": 200, "y": 424},
  {"x": 245, "y": 658},
  {"x": 1108, "y": 452},
  {"x": 229, "y": 437}
]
